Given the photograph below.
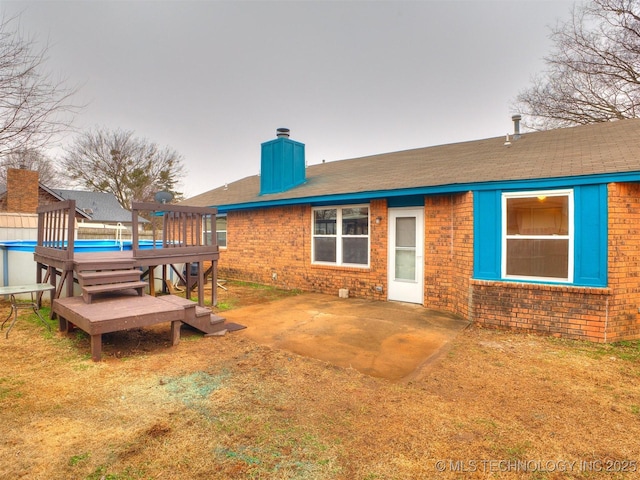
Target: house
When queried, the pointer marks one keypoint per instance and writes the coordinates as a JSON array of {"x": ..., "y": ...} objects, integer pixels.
[
  {"x": 538, "y": 232},
  {"x": 23, "y": 193}
]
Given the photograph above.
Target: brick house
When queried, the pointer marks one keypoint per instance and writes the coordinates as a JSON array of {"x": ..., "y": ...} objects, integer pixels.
[{"x": 539, "y": 232}]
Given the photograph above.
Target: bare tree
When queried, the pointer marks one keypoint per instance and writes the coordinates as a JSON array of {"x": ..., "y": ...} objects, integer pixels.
[
  {"x": 593, "y": 72},
  {"x": 33, "y": 160},
  {"x": 131, "y": 168},
  {"x": 34, "y": 107}
]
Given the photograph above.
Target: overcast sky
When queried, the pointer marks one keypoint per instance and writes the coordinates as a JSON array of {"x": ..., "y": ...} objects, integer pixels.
[{"x": 213, "y": 80}]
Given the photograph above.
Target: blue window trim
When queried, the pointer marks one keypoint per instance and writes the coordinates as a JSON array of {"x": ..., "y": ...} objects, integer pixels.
[{"x": 590, "y": 236}]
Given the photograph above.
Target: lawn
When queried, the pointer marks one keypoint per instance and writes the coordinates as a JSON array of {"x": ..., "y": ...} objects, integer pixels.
[{"x": 497, "y": 405}]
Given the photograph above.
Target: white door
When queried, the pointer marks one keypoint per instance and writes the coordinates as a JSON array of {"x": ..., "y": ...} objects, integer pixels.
[{"x": 406, "y": 255}]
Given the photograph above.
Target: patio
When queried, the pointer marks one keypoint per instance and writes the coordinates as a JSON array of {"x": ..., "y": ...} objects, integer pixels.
[{"x": 389, "y": 340}]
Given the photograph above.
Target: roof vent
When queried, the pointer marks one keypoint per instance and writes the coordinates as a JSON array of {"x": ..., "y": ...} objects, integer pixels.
[
  {"x": 516, "y": 126},
  {"x": 282, "y": 132}
]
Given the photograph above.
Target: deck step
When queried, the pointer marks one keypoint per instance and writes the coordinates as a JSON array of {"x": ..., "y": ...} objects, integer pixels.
[
  {"x": 211, "y": 325},
  {"x": 198, "y": 317},
  {"x": 84, "y": 265},
  {"x": 108, "y": 276},
  {"x": 89, "y": 291}
]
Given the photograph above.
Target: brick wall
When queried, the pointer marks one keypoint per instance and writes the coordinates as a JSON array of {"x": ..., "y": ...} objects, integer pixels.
[
  {"x": 448, "y": 251},
  {"x": 624, "y": 261},
  {"x": 272, "y": 246},
  {"x": 277, "y": 241},
  {"x": 22, "y": 191}
]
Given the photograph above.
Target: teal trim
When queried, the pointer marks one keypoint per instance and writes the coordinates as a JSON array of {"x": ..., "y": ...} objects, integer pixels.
[
  {"x": 536, "y": 184},
  {"x": 406, "y": 201}
]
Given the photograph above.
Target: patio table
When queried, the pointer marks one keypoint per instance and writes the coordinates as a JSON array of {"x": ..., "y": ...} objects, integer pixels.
[{"x": 12, "y": 291}]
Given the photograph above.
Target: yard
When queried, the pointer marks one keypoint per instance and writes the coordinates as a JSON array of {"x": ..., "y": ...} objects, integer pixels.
[{"x": 497, "y": 405}]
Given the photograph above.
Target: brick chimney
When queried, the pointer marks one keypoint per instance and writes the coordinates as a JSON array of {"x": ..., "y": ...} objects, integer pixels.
[{"x": 22, "y": 190}]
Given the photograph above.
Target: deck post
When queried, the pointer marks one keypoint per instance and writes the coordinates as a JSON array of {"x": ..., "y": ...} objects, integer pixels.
[
  {"x": 152, "y": 283},
  {"x": 201, "y": 283},
  {"x": 96, "y": 347},
  {"x": 63, "y": 325},
  {"x": 175, "y": 332},
  {"x": 214, "y": 283}
]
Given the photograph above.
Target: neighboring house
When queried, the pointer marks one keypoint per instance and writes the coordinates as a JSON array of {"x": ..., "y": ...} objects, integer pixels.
[
  {"x": 99, "y": 206},
  {"x": 23, "y": 194},
  {"x": 539, "y": 233}
]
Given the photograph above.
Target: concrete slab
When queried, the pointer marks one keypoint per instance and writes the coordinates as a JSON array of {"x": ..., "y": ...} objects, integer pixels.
[{"x": 382, "y": 339}]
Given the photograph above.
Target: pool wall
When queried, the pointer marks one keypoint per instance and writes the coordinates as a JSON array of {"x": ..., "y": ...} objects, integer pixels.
[{"x": 17, "y": 266}]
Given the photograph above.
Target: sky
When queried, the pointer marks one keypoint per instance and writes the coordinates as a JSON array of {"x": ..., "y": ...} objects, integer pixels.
[{"x": 215, "y": 79}]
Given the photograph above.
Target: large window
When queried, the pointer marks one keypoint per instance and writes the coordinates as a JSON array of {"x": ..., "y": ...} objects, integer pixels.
[
  {"x": 341, "y": 235},
  {"x": 538, "y": 235}
]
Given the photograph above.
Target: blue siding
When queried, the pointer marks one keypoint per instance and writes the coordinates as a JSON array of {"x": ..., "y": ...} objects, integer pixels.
[
  {"x": 590, "y": 235},
  {"x": 486, "y": 234}
]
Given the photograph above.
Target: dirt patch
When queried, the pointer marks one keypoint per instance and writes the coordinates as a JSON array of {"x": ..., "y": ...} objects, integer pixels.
[{"x": 496, "y": 405}]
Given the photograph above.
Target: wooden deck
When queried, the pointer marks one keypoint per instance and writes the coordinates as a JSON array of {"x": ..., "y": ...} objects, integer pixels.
[
  {"x": 181, "y": 235},
  {"x": 180, "y": 238},
  {"x": 115, "y": 313}
]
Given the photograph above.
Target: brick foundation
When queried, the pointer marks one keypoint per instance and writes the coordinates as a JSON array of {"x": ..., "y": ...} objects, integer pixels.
[{"x": 558, "y": 310}]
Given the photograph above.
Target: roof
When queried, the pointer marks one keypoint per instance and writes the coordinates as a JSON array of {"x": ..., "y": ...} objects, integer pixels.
[
  {"x": 99, "y": 206},
  {"x": 591, "y": 150}
]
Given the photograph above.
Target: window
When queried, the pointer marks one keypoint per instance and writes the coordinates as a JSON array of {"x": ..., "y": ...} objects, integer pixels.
[
  {"x": 538, "y": 235},
  {"x": 221, "y": 230},
  {"x": 341, "y": 235}
]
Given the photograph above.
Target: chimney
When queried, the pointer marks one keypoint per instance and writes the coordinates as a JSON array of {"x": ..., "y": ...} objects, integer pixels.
[
  {"x": 282, "y": 164},
  {"x": 22, "y": 190},
  {"x": 516, "y": 126}
]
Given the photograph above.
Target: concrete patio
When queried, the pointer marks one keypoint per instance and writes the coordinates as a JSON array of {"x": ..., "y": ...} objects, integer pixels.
[{"x": 390, "y": 340}]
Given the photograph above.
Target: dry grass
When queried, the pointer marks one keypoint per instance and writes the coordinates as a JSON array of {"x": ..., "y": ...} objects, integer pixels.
[{"x": 225, "y": 407}]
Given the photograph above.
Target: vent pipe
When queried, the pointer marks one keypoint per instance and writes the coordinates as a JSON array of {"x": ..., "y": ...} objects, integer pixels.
[
  {"x": 516, "y": 126},
  {"x": 282, "y": 132}
]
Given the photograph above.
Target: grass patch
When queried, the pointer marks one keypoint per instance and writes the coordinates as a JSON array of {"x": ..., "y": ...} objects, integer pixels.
[
  {"x": 9, "y": 391},
  {"x": 227, "y": 305},
  {"x": 625, "y": 350},
  {"x": 76, "y": 459}
]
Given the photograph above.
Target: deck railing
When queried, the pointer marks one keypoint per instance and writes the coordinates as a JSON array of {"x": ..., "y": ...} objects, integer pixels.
[
  {"x": 56, "y": 230},
  {"x": 180, "y": 230}
]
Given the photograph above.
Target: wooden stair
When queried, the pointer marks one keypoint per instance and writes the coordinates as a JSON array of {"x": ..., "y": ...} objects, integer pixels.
[
  {"x": 198, "y": 317},
  {"x": 103, "y": 281}
]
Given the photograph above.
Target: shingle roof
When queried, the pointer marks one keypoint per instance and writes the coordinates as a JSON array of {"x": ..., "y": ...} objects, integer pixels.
[
  {"x": 101, "y": 207},
  {"x": 604, "y": 148}
]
